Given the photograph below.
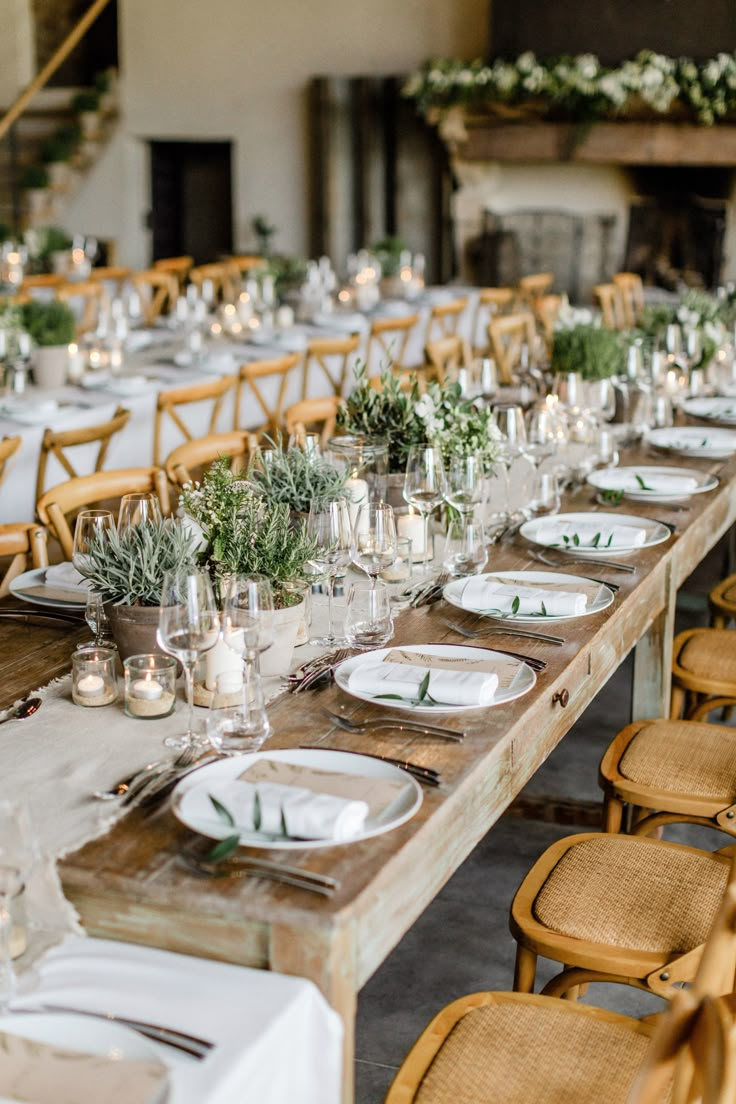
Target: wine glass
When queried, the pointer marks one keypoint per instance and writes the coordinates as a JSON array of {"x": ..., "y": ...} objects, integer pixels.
[
  {"x": 188, "y": 626},
  {"x": 373, "y": 545},
  {"x": 138, "y": 509},
  {"x": 97, "y": 619},
  {"x": 248, "y": 630},
  {"x": 424, "y": 484},
  {"x": 329, "y": 526},
  {"x": 465, "y": 485},
  {"x": 91, "y": 525}
]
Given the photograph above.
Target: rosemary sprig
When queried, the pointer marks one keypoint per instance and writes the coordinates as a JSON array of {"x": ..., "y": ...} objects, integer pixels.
[
  {"x": 423, "y": 695},
  {"x": 644, "y": 486}
]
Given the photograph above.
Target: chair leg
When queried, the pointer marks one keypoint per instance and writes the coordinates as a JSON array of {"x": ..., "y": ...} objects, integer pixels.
[
  {"x": 677, "y": 702},
  {"x": 525, "y": 970},
  {"x": 613, "y": 812}
]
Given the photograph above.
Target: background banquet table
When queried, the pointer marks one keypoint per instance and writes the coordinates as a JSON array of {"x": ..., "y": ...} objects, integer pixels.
[{"x": 129, "y": 883}]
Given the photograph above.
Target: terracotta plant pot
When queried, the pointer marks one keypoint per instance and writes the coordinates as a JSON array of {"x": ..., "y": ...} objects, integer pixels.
[{"x": 134, "y": 629}]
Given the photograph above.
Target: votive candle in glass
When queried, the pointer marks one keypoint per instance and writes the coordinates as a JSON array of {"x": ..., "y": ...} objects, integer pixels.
[
  {"x": 150, "y": 686},
  {"x": 94, "y": 682}
]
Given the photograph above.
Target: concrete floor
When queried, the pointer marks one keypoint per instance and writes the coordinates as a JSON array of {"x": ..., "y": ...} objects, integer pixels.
[{"x": 461, "y": 944}]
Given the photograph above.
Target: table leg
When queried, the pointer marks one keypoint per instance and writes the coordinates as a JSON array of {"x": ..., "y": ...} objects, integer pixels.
[
  {"x": 650, "y": 691},
  {"x": 327, "y": 958}
]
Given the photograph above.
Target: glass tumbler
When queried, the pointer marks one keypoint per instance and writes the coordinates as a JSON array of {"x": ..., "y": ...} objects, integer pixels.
[
  {"x": 368, "y": 621},
  {"x": 94, "y": 682}
]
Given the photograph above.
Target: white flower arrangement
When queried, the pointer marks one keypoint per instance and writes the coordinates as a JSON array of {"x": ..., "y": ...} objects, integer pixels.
[{"x": 580, "y": 88}]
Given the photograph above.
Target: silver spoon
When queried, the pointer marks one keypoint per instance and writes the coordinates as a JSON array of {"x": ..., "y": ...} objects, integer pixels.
[{"x": 23, "y": 709}]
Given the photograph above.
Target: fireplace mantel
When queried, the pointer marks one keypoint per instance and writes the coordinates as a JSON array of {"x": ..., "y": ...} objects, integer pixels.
[{"x": 625, "y": 143}]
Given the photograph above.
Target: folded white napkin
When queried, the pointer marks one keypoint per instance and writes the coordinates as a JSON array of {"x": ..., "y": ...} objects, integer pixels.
[
  {"x": 481, "y": 594},
  {"x": 274, "y": 808},
  {"x": 448, "y": 687},
  {"x": 609, "y": 536},
  {"x": 655, "y": 482},
  {"x": 66, "y": 575},
  {"x": 343, "y": 323}
]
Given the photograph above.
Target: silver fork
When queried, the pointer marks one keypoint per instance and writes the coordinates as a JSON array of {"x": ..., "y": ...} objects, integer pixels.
[
  {"x": 123, "y": 785},
  {"x": 613, "y": 565},
  {"x": 397, "y": 723},
  {"x": 485, "y": 631},
  {"x": 152, "y": 780},
  {"x": 244, "y": 866}
]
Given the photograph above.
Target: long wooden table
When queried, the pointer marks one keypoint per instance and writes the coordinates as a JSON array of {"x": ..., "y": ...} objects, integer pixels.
[{"x": 130, "y": 885}]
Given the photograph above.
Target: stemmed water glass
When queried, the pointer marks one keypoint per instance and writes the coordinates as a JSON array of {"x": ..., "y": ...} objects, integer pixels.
[
  {"x": 329, "y": 527},
  {"x": 424, "y": 484},
  {"x": 373, "y": 546},
  {"x": 248, "y": 630},
  {"x": 188, "y": 626},
  {"x": 465, "y": 486},
  {"x": 509, "y": 419},
  {"x": 138, "y": 509},
  {"x": 91, "y": 526}
]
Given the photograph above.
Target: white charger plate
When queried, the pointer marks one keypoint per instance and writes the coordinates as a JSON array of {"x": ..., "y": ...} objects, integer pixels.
[
  {"x": 521, "y": 685},
  {"x": 453, "y": 594},
  {"x": 341, "y": 762},
  {"x": 86, "y": 1035},
  {"x": 717, "y": 410},
  {"x": 616, "y": 479},
  {"x": 37, "y": 577},
  {"x": 705, "y": 444},
  {"x": 656, "y": 532}
]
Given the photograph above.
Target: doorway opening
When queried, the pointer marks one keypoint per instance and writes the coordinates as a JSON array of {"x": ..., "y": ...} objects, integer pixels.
[{"x": 191, "y": 199}]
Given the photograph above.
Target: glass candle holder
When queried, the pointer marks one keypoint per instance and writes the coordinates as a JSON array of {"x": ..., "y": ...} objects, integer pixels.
[
  {"x": 150, "y": 686},
  {"x": 94, "y": 682},
  {"x": 400, "y": 570}
]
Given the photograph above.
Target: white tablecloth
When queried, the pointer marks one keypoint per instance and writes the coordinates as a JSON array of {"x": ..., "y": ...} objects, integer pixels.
[{"x": 276, "y": 1039}]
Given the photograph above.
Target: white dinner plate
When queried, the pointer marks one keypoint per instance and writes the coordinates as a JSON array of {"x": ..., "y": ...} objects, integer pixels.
[
  {"x": 37, "y": 577},
  {"x": 522, "y": 684},
  {"x": 341, "y": 762},
  {"x": 656, "y": 532},
  {"x": 548, "y": 579},
  {"x": 620, "y": 479},
  {"x": 706, "y": 444},
  {"x": 716, "y": 410},
  {"x": 86, "y": 1035}
]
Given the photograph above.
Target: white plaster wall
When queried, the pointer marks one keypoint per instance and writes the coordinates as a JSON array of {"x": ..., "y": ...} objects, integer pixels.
[
  {"x": 17, "y": 53},
  {"x": 239, "y": 70}
]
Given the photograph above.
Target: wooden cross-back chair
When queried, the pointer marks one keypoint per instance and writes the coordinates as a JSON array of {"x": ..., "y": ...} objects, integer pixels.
[
  {"x": 112, "y": 277},
  {"x": 175, "y": 266},
  {"x": 250, "y": 380},
  {"x": 446, "y": 355},
  {"x": 703, "y": 672},
  {"x": 535, "y": 284},
  {"x": 223, "y": 276},
  {"x": 546, "y": 309},
  {"x": 528, "y": 1048},
  {"x": 57, "y": 508},
  {"x": 85, "y": 298},
  {"x": 491, "y": 301},
  {"x": 609, "y": 299},
  {"x": 158, "y": 291},
  {"x": 8, "y": 447},
  {"x": 168, "y": 403},
  {"x": 406, "y": 377},
  {"x": 333, "y": 356},
  {"x": 41, "y": 286},
  {"x": 444, "y": 319},
  {"x": 389, "y": 338},
  {"x": 631, "y": 287},
  {"x": 313, "y": 416},
  {"x": 56, "y": 442},
  {"x": 19, "y": 542},
  {"x": 187, "y": 461},
  {"x": 244, "y": 263},
  {"x": 507, "y": 334}
]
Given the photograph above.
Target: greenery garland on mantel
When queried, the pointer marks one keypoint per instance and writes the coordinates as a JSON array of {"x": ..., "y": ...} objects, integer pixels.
[{"x": 579, "y": 89}]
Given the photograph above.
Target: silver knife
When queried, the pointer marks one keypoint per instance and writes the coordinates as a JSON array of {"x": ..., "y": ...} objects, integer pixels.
[{"x": 169, "y": 1036}]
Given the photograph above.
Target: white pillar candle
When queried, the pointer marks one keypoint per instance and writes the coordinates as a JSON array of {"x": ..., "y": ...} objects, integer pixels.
[
  {"x": 230, "y": 682},
  {"x": 224, "y": 658},
  {"x": 90, "y": 686},
  {"x": 412, "y": 527},
  {"x": 147, "y": 689}
]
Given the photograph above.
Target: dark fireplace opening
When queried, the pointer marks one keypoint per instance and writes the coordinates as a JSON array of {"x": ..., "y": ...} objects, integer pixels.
[{"x": 677, "y": 224}]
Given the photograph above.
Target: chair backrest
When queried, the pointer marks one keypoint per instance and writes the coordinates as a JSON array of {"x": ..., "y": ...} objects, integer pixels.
[
  {"x": 406, "y": 377},
  {"x": 631, "y": 287},
  {"x": 250, "y": 380},
  {"x": 20, "y": 541},
  {"x": 546, "y": 308},
  {"x": 333, "y": 356},
  {"x": 57, "y": 441},
  {"x": 44, "y": 284},
  {"x": 610, "y": 300},
  {"x": 223, "y": 275},
  {"x": 185, "y": 461},
  {"x": 491, "y": 301},
  {"x": 85, "y": 298},
  {"x": 112, "y": 277},
  {"x": 175, "y": 266},
  {"x": 168, "y": 402},
  {"x": 390, "y": 337},
  {"x": 158, "y": 291},
  {"x": 313, "y": 416},
  {"x": 446, "y": 355},
  {"x": 247, "y": 262},
  {"x": 507, "y": 333},
  {"x": 62, "y": 502},
  {"x": 444, "y": 319},
  {"x": 8, "y": 447},
  {"x": 535, "y": 284}
]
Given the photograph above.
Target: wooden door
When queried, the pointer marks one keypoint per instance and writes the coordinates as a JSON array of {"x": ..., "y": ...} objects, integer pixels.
[{"x": 191, "y": 199}]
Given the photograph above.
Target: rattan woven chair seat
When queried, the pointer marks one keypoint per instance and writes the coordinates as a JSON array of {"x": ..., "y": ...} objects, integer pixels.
[
  {"x": 512, "y": 1053},
  {"x": 711, "y": 655},
  {"x": 684, "y": 757},
  {"x": 630, "y": 892}
]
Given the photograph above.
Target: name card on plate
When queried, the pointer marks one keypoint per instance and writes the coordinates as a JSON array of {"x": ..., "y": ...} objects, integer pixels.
[{"x": 382, "y": 795}]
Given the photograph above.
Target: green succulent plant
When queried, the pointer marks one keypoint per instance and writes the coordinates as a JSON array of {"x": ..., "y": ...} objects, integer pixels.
[
  {"x": 289, "y": 476},
  {"x": 128, "y": 568}
]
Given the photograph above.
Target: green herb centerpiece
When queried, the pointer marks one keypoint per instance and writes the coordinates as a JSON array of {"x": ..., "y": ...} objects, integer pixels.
[
  {"x": 52, "y": 326},
  {"x": 289, "y": 476},
  {"x": 587, "y": 350}
]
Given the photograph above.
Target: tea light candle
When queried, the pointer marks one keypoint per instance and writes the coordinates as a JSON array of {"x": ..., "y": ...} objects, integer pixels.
[
  {"x": 412, "y": 527},
  {"x": 148, "y": 688},
  {"x": 91, "y": 686},
  {"x": 93, "y": 675}
]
